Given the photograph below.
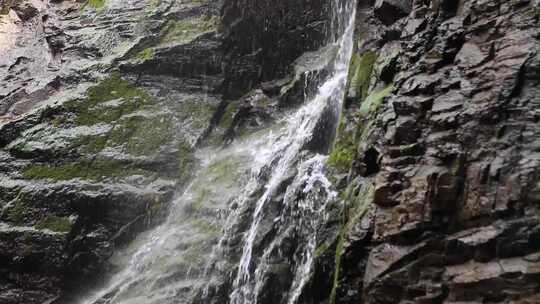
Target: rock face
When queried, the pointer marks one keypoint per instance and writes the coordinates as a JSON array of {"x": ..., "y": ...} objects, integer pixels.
[
  {"x": 442, "y": 123},
  {"x": 389, "y": 11},
  {"x": 102, "y": 105},
  {"x": 96, "y": 134},
  {"x": 437, "y": 158},
  {"x": 263, "y": 38}
]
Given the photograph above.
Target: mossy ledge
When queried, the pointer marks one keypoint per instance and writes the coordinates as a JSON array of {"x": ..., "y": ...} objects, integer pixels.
[
  {"x": 55, "y": 223},
  {"x": 92, "y": 110},
  {"x": 146, "y": 54},
  {"x": 96, "y": 3},
  {"x": 98, "y": 170},
  {"x": 184, "y": 31},
  {"x": 344, "y": 150},
  {"x": 361, "y": 70},
  {"x": 17, "y": 213},
  {"x": 359, "y": 200},
  {"x": 349, "y": 136}
]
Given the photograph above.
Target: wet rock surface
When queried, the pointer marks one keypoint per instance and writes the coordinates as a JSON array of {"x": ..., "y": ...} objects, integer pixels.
[
  {"x": 454, "y": 211},
  {"x": 263, "y": 38},
  {"x": 103, "y": 103},
  {"x": 92, "y": 152}
]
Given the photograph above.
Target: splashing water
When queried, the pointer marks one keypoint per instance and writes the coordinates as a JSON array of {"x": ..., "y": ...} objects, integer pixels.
[
  {"x": 245, "y": 206},
  {"x": 247, "y": 288}
]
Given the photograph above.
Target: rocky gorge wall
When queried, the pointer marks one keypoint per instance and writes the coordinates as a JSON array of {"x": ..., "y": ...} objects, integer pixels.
[
  {"x": 438, "y": 154},
  {"x": 436, "y": 160}
]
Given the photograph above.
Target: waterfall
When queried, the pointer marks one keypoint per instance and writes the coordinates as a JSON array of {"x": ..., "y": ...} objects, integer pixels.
[
  {"x": 252, "y": 207},
  {"x": 285, "y": 155}
]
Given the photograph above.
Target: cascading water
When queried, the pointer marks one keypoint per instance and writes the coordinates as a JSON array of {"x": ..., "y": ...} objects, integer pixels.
[
  {"x": 308, "y": 207},
  {"x": 274, "y": 183}
]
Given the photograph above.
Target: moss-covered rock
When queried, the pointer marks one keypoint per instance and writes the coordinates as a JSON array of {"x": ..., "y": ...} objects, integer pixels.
[
  {"x": 110, "y": 153},
  {"x": 360, "y": 74},
  {"x": 141, "y": 134},
  {"x": 206, "y": 227},
  {"x": 108, "y": 101},
  {"x": 96, "y": 3},
  {"x": 117, "y": 131},
  {"x": 374, "y": 100},
  {"x": 354, "y": 128},
  {"x": 146, "y": 54},
  {"x": 97, "y": 170},
  {"x": 17, "y": 213},
  {"x": 344, "y": 151},
  {"x": 55, "y": 223},
  {"x": 187, "y": 30},
  {"x": 359, "y": 200}
]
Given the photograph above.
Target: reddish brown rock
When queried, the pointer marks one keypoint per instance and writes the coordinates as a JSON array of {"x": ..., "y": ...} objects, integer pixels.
[{"x": 460, "y": 136}]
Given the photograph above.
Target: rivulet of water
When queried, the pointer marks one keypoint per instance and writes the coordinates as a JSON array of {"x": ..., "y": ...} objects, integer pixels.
[
  {"x": 285, "y": 156},
  {"x": 250, "y": 218}
]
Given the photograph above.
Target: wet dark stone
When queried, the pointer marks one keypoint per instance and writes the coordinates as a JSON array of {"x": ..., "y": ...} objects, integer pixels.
[{"x": 389, "y": 11}]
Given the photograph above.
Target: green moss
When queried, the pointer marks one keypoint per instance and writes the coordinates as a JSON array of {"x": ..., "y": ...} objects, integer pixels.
[
  {"x": 374, "y": 100},
  {"x": 320, "y": 250},
  {"x": 337, "y": 266},
  {"x": 64, "y": 172},
  {"x": 358, "y": 204},
  {"x": 196, "y": 112},
  {"x": 55, "y": 223},
  {"x": 193, "y": 256},
  {"x": 146, "y": 54},
  {"x": 224, "y": 167},
  {"x": 124, "y": 119},
  {"x": 342, "y": 157},
  {"x": 127, "y": 99},
  {"x": 5, "y": 6},
  {"x": 96, "y": 3},
  {"x": 186, "y": 30},
  {"x": 361, "y": 71},
  {"x": 93, "y": 144},
  {"x": 187, "y": 161},
  {"x": 202, "y": 196},
  {"x": 344, "y": 150},
  {"x": 205, "y": 226},
  {"x": 58, "y": 121},
  {"x": 141, "y": 135},
  {"x": 458, "y": 165},
  {"x": 97, "y": 170},
  {"x": 17, "y": 213},
  {"x": 228, "y": 116},
  {"x": 150, "y": 135}
]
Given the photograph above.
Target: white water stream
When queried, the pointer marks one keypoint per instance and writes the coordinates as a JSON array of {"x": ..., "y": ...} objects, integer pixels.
[
  {"x": 285, "y": 155},
  {"x": 230, "y": 198}
]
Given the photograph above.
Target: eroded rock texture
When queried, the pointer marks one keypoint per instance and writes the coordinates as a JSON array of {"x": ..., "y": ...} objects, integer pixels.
[
  {"x": 263, "y": 38},
  {"x": 102, "y": 105},
  {"x": 441, "y": 135}
]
